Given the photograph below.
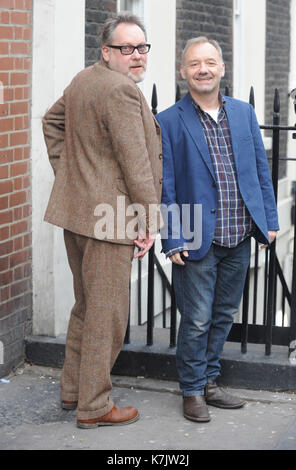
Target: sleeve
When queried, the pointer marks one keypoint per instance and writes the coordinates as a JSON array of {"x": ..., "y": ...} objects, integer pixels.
[
  {"x": 264, "y": 175},
  {"x": 53, "y": 124},
  {"x": 171, "y": 233}
]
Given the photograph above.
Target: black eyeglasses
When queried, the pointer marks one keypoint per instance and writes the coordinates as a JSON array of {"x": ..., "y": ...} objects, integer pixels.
[{"x": 129, "y": 50}]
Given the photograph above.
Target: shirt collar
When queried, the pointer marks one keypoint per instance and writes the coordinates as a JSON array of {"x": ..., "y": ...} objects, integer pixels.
[{"x": 199, "y": 109}]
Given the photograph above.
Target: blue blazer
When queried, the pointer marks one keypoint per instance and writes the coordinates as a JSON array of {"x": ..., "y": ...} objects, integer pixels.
[{"x": 189, "y": 178}]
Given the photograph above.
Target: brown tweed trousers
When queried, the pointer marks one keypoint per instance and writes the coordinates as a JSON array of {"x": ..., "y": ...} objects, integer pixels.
[{"x": 103, "y": 142}]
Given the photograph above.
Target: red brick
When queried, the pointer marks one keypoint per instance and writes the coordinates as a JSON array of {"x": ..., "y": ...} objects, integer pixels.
[
  {"x": 26, "y": 93},
  {"x": 4, "y": 78},
  {"x": 17, "y": 184},
  {"x": 6, "y": 156},
  {"x": 18, "y": 138},
  {"x": 18, "y": 63},
  {"x": 18, "y": 213},
  {"x": 28, "y": 4},
  {"x": 3, "y": 140},
  {"x": 6, "y": 63},
  {"x": 18, "y": 4},
  {"x": 17, "y": 244},
  {"x": 28, "y": 270},
  {"x": 21, "y": 48},
  {"x": 18, "y": 78},
  {"x": 20, "y": 287},
  {"x": 8, "y": 94},
  {"x": 18, "y": 123},
  {"x": 9, "y": 4},
  {"x": 18, "y": 273},
  {"x": 6, "y": 125},
  {"x": 18, "y": 154},
  {"x": 26, "y": 210},
  {"x": 19, "y": 258},
  {"x": 4, "y": 233},
  {"x": 5, "y": 294},
  {"x": 27, "y": 63},
  {"x": 20, "y": 227},
  {"x": 6, "y": 32},
  {"x": 4, "y": 16},
  {"x": 6, "y": 217},
  {"x": 4, "y": 171},
  {"x": 27, "y": 240},
  {"x": 19, "y": 108},
  {"x": 4, "y": 109},
  {"x": 6, "y": 248},
  {"x": 20, "y": 168},
  {"x": 18, "y": 32},
  {"x": 5, "y": 187},
  {"x": 19, "y": 18},
  {"x": 18, "y": 198},
  {"x": 4, "y": 48},
  {"x": 18, "y": 93},
  {"x": 6, "y": 278},
  {"x": 3, "y": 203},
  {"x": 27, "y": 152},
  {"x": 4, "y": 263},
  {"x": 27, "y": 34}
]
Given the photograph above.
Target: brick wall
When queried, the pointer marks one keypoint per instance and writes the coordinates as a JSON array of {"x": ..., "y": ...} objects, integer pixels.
[
  {"x": 15, "y": 180},
  {"x": 96, "y": 13},
  {"x": 213, "y": 19},
  {"x": 277, "y": 65}
]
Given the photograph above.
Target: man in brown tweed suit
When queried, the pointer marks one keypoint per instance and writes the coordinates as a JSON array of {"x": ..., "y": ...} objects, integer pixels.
[{"x": 105, "y": 149}]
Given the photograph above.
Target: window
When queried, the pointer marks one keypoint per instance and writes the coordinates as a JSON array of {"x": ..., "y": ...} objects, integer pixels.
[{"x": 135, "y": 6}]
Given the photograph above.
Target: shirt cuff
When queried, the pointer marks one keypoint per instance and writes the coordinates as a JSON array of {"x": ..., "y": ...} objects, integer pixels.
[{"x": 175, "y": 250}]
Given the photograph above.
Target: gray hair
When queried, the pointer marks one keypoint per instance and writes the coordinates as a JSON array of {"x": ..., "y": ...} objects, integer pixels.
[
  {"x": 112, "y": 23},
  {"x": 201, "y": 40}
]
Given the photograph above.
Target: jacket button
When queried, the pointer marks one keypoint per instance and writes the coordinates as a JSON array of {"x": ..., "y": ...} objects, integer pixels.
[
  {"x": 160, "y": 180},
  {"x": 160, "y": 156},
  {"x": 213, "y": 211}
]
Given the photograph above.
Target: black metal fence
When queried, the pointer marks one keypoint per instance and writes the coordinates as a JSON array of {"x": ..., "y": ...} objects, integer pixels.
[{"x": 258, "y": 323}]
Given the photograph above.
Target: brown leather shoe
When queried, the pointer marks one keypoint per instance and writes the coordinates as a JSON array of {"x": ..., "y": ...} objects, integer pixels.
[
  {"x": 69, "y": 405},
  {"x": 218, "y": 397},
  {"x": 116, "y": 417},
  {"x": 195, "y": 408}
]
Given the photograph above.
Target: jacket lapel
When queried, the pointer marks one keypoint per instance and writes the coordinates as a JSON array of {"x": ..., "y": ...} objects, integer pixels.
[
  {"x": 195, "y": 129},
  {"x": 234, "y": 127}
]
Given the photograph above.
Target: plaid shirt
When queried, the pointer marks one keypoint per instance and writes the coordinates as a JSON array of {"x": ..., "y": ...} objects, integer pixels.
[{"x": 234, "y": 223}]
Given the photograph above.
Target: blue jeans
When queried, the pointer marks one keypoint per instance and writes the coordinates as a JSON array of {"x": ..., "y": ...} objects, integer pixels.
[{"x": 208, "y": 294}]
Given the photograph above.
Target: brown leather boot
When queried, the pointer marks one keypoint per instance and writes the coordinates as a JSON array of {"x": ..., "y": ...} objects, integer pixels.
[
  {"x": 117, "y": 416},
  {"x": 195, "y": 408},
  {"x": 218, "y": 397}
]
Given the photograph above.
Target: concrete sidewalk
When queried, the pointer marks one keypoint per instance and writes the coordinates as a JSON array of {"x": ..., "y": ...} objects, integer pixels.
[{"x": 31, "y": 418}]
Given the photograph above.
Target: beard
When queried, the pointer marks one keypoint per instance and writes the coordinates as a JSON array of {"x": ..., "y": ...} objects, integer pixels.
[{"x": 137, "y": 77}]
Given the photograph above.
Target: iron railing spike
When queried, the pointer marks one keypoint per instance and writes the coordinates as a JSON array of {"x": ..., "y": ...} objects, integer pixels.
[{"x": 252, "y": 97}]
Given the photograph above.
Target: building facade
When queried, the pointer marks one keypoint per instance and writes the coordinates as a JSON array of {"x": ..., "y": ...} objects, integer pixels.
[{"x": 42, "y": 46}]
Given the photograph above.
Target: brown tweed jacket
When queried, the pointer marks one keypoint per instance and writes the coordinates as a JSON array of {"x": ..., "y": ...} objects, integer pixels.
[{"x": 103, "y": 142}]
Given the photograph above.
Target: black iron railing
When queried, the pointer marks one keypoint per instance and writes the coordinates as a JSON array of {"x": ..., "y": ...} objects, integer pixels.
[{"x": 249, "y": 330}]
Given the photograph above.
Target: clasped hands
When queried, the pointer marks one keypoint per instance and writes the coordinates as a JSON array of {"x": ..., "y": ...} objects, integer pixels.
[{"x": 144, "y": 241}]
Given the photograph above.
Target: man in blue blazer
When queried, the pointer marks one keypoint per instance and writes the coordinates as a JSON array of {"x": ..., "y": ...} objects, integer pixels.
[{"x": 217, "y": 193}]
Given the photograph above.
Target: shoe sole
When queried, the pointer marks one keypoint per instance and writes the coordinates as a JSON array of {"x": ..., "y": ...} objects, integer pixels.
[
  {"x": 96, "y": 425},
  {"x": 69, "y": 407},
  {"x": 198, "y": 420}
]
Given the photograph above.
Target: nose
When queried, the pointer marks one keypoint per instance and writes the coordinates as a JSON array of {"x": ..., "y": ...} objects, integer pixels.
[
  {"x": 203, "y": 68},
  {"x": 136, "y": 54}
]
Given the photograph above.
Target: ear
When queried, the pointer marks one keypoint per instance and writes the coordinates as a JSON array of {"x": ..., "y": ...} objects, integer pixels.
[
  {"x": 182, "y": 71},
  {"x": 222, "y": 69},
  {"x": 105, "y": 53}
]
